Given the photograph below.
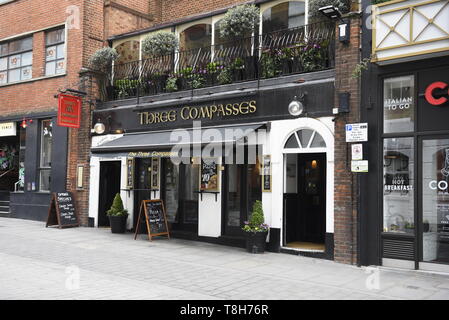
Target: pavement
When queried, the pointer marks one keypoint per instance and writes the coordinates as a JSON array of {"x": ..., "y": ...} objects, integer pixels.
[{"x": 93, "y": 264}]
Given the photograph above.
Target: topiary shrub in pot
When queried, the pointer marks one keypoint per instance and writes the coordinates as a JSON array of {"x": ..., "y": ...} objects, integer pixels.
[
  {"x": 256, "y": 230},
  {"x": 117, "y": 215},
  {"x": 160, "y": 44},
  {"x": 239, "y": 21},
  {"x": 103, "y": 58}
]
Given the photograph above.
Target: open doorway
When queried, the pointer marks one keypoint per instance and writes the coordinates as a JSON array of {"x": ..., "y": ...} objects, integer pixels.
[
  {"x": 305, "y": 201},
  {"x": 110, "y": 173}
]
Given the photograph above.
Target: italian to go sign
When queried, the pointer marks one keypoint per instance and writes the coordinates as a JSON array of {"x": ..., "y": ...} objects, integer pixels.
[
  {"x": 69, "y": 111},
  {"x": 357, "y": 132}
]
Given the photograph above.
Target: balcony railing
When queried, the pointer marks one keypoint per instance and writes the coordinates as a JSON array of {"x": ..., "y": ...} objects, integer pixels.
[{"x": 304, "y": 49}]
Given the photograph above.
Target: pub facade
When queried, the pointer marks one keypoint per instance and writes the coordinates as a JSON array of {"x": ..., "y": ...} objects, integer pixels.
[
  {"x": 405, "y": 219},
  {"x": 210, "y": 151}
]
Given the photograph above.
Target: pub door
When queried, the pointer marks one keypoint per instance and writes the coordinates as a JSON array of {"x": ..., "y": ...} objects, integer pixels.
[
  {"x": 305, "y": 201},
  {"x": 109, "y": 187}
]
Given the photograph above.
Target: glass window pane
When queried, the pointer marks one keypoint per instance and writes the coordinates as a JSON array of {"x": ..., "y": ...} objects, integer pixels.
[
  {"x": 318, "y": 141},
  {"x": 26, "y": 73},
  {"x": 399, "y": 104},
  {"x": 60, "y": 66},
  {"x": 55, "y": 36},
  {"x": 234, "y": 195},
  {"x": 14, "y": 75},
  {"x": 304, "y": 137},
  {"x": 60, "y": 51},
  {"x": 190, "y": 201},
  {"x": 3, "y": 77},
  {"x": 46, "y": 143},
  {"x": 14, "y": 61},
  {"x": 50, "y": 68},
  {"x": 291, "y": 171},
  {"x": 51, "y": 53},
  {"x": 283, "y": 16},
  {"x": 399, "y": 185},
  {"x": 292, "y": 142},
  {"x": 197, "y": 36},
  {"x": 3, "y": 49},
  {"x": 254, "y": 185},
  {"x": 27, "y": 59},
  {"x": 3, "y": 63},
  {"x": 21, "y": 45},
  {"x": 44, "y": 180},
  {"x": 435, "y": 186},
  {"x": 171, "y": 190}
]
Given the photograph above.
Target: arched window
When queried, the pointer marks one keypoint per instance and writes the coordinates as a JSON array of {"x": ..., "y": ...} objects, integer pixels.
[
  {"x": 197, "y": 36},
  {"x": 285, "y": 15},
  {"x": 305, "y": 139},
  {"x": 128, "y": 51}
]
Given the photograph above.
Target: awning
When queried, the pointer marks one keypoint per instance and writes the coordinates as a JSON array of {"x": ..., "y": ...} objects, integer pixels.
[{"x": 161, "y": 139}]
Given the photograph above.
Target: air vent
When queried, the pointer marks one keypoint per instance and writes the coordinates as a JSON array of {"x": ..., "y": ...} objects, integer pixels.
[{"x": 398, "y": 249}]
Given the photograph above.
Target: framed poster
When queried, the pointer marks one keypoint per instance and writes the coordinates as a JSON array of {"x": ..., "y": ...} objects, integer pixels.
[
  {"x": 130, "y": 173},
  {"x": 209, "y": 181},
  {"x": 266, "y": 173},
  {"x": 155, "y": 165}
]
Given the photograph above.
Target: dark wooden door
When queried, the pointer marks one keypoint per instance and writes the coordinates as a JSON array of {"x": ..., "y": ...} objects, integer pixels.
[{"x": 110, "y": 173}]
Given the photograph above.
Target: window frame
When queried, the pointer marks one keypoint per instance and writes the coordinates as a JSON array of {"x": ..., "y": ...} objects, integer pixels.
[
  {"x": 56, "y": 45},
  {"x": 42, "y": 168},
  {"x": 20, "y": 53}
]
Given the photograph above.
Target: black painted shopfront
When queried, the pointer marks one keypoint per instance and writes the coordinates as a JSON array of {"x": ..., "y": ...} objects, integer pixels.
[
  {"x": 405, "y": 214},
  {"x": 34, "y": 164}
]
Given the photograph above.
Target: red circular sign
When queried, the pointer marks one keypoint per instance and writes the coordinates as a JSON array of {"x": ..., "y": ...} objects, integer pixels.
[{"x": 430, "y": 93}]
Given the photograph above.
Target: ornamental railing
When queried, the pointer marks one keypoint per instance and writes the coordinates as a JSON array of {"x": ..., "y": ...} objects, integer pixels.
[{"x": 305, "y": 49}]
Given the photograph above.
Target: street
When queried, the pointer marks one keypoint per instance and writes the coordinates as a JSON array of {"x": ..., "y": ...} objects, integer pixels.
[{"x": 88, "y": 263}]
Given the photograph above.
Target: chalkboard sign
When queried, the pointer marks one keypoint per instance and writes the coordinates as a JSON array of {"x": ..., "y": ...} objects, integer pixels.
[
  {"x": 209, "y": 175},
  {"x": 153, "y": 212},
  {"x": 266, "y": 170},
  {"x": 62, "y": 211}
]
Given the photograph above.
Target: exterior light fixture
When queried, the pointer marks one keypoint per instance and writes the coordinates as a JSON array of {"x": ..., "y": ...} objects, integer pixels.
[
  {"x": 99, "y": 127},
  {"x": 25, "y": 123},
  {"x": 332, "y": 13},
  {"x": 314, "y": 164},
  {"x": 296, "y": 107}
]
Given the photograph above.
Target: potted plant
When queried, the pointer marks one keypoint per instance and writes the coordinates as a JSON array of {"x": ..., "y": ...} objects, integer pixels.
[
  {"x": 239, "y": 21},
  {"x": 160, "y": 44},
  {"x": 256, "y": 230},
  {"x": 117, "y": 215}
]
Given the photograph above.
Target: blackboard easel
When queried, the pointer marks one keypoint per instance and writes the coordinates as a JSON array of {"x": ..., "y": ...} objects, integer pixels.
[{"x": 149, "y": 208}]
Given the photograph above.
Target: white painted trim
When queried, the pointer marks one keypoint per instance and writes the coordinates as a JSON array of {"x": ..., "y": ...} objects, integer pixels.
[
  {"x": 434, "y": 267},
  {"x": 279, "y": 134},
  {"x": 396, "y": 263}
]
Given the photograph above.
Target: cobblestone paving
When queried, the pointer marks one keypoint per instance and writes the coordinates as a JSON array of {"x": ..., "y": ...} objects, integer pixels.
[{"x": 40, "y": 263}]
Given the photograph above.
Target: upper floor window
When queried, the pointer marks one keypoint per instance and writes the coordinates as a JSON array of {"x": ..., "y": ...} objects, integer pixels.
[
  {"x": 197, "y": 36},
  {"x": 16, "y": 60},
  {"x": 285, "y": 15},
  {"x": 55, "y": 55}
]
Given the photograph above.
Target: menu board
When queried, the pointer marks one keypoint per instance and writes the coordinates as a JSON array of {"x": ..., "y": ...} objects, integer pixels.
[
  {"x": 130, "y": 173},
  {"x": 266, "y": 170},
  {"x": 62, "y": 211},
  {"x": 155, "y": 173},
  {"x": 153, "y": 212},
  {"x": 209, "y": 175}
]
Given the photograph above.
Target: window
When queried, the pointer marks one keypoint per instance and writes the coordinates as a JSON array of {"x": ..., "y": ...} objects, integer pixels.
[
  {"x": 45, "y": 155},
  {"x": 399, "y": 185},
  {"x": 399, "y": 104},
  {"x": 55, "y": 52},
  {"x": 197, "y": 36},
  {"x": 16, "y": 60},
  {"x": 286, "y": 15}
]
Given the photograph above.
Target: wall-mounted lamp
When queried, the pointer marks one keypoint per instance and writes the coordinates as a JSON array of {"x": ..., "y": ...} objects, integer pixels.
[
  {"x": 99, "y": 127},
  {"x": 332, "y": 13},
  {"x": 296, "y": 107},
  {"x": 26, "y": 122}
]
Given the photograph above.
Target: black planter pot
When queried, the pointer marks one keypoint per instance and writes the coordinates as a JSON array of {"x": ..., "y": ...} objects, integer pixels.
[
  {"x": 118, "y": 224},
  {"x": 256, "y": 241}
]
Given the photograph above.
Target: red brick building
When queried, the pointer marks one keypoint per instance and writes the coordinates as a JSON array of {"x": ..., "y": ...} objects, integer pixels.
[{"x": 44, "y": 46}]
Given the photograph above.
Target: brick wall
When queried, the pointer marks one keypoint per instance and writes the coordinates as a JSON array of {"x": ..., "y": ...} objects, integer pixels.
[{"x": 345, "y": 236}]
